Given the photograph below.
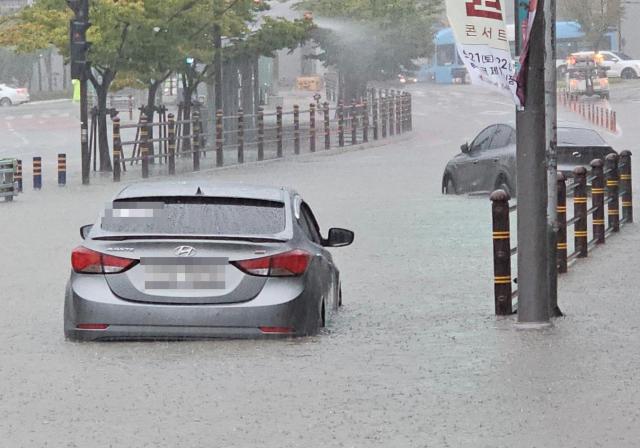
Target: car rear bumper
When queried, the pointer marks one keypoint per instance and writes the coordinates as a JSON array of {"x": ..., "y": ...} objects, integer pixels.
[{"x": 283, "y": 304}]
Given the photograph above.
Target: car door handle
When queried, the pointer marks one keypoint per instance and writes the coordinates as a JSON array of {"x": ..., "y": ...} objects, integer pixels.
[
  {"x": 475, "y": 162},
  {"x": 496, "y": 160}
]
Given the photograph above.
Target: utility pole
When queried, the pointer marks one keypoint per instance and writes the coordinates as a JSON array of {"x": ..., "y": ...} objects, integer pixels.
[
  {"x": 533, "y": 249},
  {"x": 551, "y": 86},
  {"x": 80, "y": 71}
]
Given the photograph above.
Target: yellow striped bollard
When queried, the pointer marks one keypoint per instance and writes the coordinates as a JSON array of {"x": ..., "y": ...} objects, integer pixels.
[
  {"x": 597, "y": 200},
  {"x": 501, "y": 252},
  {"x": 62, "y": 170},
  {"x": 279, "y": 131},
  {"x": 18, "y": 175},
  {"x": 580, "y": 212},
  {"x": 562, "y": 247},
  {"x": 312, "y": 127},
  {"x": 172, "y": 143},
  {"x": 195, "y": 143},
  {"x": 260, "y": 133},
  {"x": 240, "y": 136},
  {"x": 37, "y": 173},
  {"x": 116, "y": 149},
  {"x": 296, "y": 129},
  {"x": 219, "y": 138},
  {"x": 626, "y": 186},
  {"x": 144, "y": 146},
  {"x": 327, "y": 126},
  {"x": 613, "y": 209}
]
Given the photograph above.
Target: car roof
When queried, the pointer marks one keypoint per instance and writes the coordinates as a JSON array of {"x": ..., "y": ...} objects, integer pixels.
[
  {"x": 204, "y": 188},
  {"x": 560, "y": 124}
]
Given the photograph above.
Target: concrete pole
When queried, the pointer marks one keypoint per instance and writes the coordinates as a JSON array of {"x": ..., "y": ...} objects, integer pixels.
[
  {"x": 533, "y": 250},
  {"x": 551, "y": 86}
]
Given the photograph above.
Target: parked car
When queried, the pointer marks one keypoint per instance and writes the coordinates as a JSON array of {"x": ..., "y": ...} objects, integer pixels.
[
  {"x": 200, "y": 260},
  {"x": 489, "y": 162},
  {"x": 13, "y": 95},
  {"x": 620, "y": 65}
]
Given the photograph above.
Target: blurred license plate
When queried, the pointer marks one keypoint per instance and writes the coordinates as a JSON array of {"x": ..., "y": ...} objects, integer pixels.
[{"x": 184, "y": 273}]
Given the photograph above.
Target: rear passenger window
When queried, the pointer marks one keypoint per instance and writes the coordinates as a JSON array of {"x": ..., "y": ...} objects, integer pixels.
[{"x": 309, "y": 224}]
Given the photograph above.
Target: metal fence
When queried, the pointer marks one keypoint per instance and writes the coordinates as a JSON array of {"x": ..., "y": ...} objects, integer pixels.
[
  {"x": 241, "y": 138},
  {"x": 611, "y": 191}
]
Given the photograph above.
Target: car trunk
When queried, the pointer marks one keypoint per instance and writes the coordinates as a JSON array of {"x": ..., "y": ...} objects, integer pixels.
[
  {"x": 167, "y": 274},
  {"x": 570, "y": 157},
  {"x": 184, "y": 246}
]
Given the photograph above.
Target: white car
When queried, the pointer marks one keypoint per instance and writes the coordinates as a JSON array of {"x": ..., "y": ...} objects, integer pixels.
[
  {"x": 11, "y": 95},
  {"x": 620, "y": 65}
]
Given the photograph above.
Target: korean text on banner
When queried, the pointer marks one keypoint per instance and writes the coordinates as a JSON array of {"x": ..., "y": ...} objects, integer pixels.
[{"x": 481, "y": 38}]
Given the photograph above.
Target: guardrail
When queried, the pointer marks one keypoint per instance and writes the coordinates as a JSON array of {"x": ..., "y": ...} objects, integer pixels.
[
  {"x": 610, "y": 178},
  {"x": 263, "y": 135},
  {"x": 598, "y": 115}
]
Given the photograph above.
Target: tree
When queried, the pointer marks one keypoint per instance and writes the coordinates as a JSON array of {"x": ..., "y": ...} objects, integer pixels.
[
  {"x": 596, "y": 17},
  {"x": 47, "y": 23},
  {"x": 16, "y": 68},
  {"x": 369, "y": 40}
]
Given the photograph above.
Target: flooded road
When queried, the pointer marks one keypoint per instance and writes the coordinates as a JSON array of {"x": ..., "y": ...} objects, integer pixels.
[{"x": 414, "y": 359}]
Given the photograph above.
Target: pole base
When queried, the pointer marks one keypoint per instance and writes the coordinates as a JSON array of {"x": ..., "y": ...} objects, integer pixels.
[{"x": 527, "y": 326}]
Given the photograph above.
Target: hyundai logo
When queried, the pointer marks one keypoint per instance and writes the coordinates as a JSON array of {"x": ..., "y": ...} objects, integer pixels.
[{"x": 184, "y": 251}]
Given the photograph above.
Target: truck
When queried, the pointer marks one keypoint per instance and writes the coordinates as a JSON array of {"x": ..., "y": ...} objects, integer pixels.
[{"x": 587, "y": 75}]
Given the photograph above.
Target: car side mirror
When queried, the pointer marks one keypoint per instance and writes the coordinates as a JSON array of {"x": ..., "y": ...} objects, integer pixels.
[
  {"x": 338, "y": 238},
  {"x": 85, "y": 230},
  {"x": 465, "y": 148}
]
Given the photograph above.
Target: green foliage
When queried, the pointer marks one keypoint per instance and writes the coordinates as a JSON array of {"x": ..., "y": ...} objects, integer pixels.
[
  {"x": 15, "y": 67},
  {"x": 596, "y": 17}
]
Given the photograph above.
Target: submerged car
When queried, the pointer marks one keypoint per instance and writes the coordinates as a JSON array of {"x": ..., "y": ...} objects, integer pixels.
[
  {"x": 489, "y": 162},
  {"x": 13, "y": 95},
  {"x": 201, "y": 260}
]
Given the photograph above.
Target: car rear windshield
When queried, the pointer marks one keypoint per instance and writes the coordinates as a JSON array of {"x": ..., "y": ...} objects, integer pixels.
[
  {"x": 195, "y": 216},
  {"x": 579, "y": 137}
]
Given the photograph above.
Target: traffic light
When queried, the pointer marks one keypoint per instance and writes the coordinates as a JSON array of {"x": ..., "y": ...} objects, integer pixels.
[
  {"x": 79, "y": 48},
  {"x": 78, "y": 37}
]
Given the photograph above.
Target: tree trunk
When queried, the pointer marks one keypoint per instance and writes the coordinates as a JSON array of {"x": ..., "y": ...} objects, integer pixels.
[
  {"x": 247, "y": 86},
  {"x": 103, "y": 138},
  {"x": 48, "y": 66},
  {"x": 64, "y": 77},
  {"x": 102, "y": 89},
  {"x": 187, "y": 93},
  {"x": 152, "y": 91},
  {"x": 39, "y": 74}
]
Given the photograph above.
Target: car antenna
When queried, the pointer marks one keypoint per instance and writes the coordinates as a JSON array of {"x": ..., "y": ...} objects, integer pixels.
[{"x": 199, "y": 192}]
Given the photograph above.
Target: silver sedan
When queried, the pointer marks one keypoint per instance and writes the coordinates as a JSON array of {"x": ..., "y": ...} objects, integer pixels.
[{"x": 200, "y": 260}]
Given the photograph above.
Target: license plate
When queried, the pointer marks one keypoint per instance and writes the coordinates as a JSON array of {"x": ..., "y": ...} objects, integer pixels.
[{"x": 184, "y": 273}]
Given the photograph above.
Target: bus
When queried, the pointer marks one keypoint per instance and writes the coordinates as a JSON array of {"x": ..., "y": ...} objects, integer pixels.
[{"x": 446, "y": 67}]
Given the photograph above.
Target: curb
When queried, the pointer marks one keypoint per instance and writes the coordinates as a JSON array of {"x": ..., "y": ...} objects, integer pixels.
[{"x": 288, "y": 158}]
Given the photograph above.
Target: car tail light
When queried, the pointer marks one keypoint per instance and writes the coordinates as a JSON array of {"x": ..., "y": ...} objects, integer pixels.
[
  {"x": 22, "y": 91},
  {"x": 287, "y": 264},
  {"x": 277, "y": 330},
  {"x": 87, "y": 261}
]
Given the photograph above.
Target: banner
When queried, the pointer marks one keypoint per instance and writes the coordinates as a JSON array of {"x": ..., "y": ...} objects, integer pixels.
[
  {"x": 481, "y": 38},
  {"x": 527, "y": 25}
]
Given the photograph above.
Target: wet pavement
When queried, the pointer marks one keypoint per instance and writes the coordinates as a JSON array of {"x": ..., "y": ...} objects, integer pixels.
[{"x": 414, "y": 359}]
